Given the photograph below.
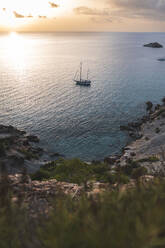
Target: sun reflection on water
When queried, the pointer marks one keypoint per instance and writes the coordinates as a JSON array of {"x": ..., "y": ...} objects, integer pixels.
[{"x": 17, "y": 48}]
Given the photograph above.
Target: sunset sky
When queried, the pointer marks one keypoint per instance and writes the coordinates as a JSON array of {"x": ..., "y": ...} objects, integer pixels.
[{"x": 82, "y": 15}]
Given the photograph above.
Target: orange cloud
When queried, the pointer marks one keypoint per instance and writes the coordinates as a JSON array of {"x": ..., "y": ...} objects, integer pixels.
[{"x": 53, "y": 5}]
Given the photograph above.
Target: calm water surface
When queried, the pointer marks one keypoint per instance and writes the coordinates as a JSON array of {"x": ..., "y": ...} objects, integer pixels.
[{"x": 37, "y": 93}]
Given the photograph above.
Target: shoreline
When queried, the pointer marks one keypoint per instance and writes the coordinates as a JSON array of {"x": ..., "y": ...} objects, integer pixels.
[
  {"x": 23, "y": 153},
  {"x": 148, "y": 144},
  {"x": 147, "y": 134}
]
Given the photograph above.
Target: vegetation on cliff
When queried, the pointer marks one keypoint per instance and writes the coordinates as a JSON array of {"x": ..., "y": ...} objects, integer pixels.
[
  {"x": 76, "y": 171},
  {"x": 131, "y": 218}
]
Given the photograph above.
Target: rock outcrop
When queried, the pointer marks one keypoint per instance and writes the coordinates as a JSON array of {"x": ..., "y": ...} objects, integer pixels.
[
  {"x": 148, "y": 147},
  {"x": 153, "y": 45},
  {"x": 17, "y": 149}
]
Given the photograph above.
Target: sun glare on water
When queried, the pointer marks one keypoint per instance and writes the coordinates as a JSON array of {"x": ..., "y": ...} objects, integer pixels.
[{"x": 17, "y": 48}]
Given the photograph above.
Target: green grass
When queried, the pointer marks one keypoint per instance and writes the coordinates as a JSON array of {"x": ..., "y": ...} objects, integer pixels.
[{"x": 133, "y": 219}]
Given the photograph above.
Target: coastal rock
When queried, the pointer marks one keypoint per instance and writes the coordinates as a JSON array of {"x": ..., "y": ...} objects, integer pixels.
[
  {"x": 126, "y": 128},
  {"x": 145, "y": 118},
  {"x": 135, "y": 135},
  {"x": 56, "y": 154},
  {"x": 11, "y": 130},
  {"x": 149, "y": 106},
  {"x": 33, "y": 138},
  {"x": 111, "y": 159},
  {"x": 153, "y": 45},
  {"x": 135, "y": 124},
  {"x": 37, "y": 194},
  {"x": 17, "y": 150},
  {"x": 132, "y": 126},
  {"x": 161, "y": 59},
  {"x": 157, "y": 107},
  {"x": 37, "y": 150},
  {"x": 16, "y": 159}
]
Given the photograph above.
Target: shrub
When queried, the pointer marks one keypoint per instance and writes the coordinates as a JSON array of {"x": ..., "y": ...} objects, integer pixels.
[
  {"x": 41, "y": 175},
  {"x": 118, "y": 178},
  {"x": 129, "y": 167},
  {"x": 74, "y": 171},
  {"x": 138, "y": 172},
  {"x": 149, "y": 159}
]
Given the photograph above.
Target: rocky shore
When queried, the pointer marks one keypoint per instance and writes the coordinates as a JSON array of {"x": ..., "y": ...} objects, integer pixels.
[
  {"x": 18, "y": 150},
  {"x": 148, "y": 145}
]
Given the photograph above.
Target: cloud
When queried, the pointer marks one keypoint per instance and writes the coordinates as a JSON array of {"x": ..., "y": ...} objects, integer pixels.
[
  {"x": 148, "y": 9},
  {"x": 83, "y": 10},
  {"x": 117, "y": 10},
  {"x": 96, "y": 15},
  {"x": 29, "y": 16},
  {"x": 17, "y": 15},
  {"x": 44, "y": 17},
  {"x": 53, "y": 5},
  {"x": 99, "y": 19}
]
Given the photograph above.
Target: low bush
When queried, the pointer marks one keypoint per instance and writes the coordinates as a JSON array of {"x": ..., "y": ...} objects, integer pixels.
[
  {"x": 149, "y": 159},
  {"x": 75, "y": 171},
  {"x": 139, "y": 172}
]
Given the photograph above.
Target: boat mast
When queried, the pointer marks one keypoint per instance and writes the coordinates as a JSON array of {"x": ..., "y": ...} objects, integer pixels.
[
  {"x": 75, "y": 75},
  {"x": 88, "y": 74},
  {"x": 80, "y": 71}
]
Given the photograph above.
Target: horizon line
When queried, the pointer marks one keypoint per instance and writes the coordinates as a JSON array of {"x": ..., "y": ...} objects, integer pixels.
[{"x": 12, "y": 31}]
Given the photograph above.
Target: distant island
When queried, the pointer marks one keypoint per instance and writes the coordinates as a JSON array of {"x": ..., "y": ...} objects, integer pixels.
[{"x": 154, "y": 45}]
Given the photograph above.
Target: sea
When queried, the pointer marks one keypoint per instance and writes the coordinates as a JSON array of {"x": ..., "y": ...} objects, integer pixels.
[{"x": 38, "y": 95}]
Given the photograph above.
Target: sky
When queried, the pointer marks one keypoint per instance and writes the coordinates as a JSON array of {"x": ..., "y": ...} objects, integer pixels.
[{"x": 82, "y": 15}]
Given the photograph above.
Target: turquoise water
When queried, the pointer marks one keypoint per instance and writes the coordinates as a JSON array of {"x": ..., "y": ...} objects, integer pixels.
[{"x": 37, "y": 93}]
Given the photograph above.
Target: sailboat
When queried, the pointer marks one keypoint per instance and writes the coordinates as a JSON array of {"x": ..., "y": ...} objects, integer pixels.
[{"x": 80, "y": 81}]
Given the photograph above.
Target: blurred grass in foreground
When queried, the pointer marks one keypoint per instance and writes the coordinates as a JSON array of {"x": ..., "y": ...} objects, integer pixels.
[{"x": 134, "y": 218}]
